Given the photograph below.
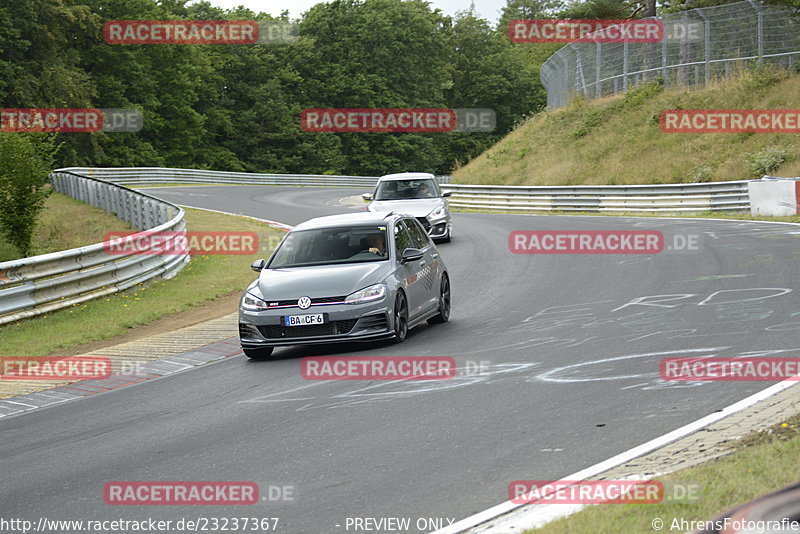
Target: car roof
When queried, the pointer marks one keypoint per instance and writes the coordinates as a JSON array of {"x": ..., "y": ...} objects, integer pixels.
[
  {"x": 349, "y": 219},
  {"x": 407, "y": 176}
]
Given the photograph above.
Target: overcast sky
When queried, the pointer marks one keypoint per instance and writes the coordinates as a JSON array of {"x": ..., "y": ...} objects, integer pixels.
[{"x": 487, "y": 9}]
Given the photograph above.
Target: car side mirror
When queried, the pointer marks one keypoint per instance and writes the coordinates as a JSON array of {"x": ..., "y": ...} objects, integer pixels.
[
  {"x": 258, "y": 265},
  {"x": 447, "y": 194},
  {"x": 367, "y": 196},
  {"x": 411, "y": 254}
]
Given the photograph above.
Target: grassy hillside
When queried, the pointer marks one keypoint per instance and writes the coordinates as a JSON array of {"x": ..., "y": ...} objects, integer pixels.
[
  {"x": 66, "y": 223},
  {"x": 616, "y": 140}
]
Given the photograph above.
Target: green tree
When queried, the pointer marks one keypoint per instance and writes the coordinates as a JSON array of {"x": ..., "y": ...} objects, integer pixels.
[
  {"x": 374, "y": 54},
  {"x": 598, "y": 9},
  {"x": 488, "y": 71},
  {"x": 527, "y": 9},
  {"x": 25, "y": 163}
]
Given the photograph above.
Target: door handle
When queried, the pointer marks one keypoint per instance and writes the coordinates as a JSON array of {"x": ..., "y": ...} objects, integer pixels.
[
  {"x": 434, "y": 256},
  {"x": 422, "y": 263}
]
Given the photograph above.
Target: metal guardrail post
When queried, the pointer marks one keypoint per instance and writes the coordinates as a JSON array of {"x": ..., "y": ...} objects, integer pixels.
[
  {"x": 759, "y": 29},
  {"x": 706, "y": 43},
  {"x": 625, "y": 57},
  {"x": 598, "y": 62},
  {"x": 664, "y": 56}
]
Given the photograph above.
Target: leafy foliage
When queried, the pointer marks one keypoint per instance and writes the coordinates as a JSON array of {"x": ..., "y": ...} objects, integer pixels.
[
  {"x": 769, "y": 158},
  {"x": 25, "y": 162},
  {"x": 237, "y": 107}
]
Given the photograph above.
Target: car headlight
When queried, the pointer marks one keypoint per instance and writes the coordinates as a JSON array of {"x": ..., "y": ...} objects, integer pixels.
[
  {"x": 368, "y": 294},
  {"x": 253, "y": 302},
  {"x": 437, "y": 213}
]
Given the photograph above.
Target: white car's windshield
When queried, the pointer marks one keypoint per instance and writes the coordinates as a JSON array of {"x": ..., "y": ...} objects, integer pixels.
[
  {"x": 404, "y": 189},
  {"x": 355, "y": 244}
]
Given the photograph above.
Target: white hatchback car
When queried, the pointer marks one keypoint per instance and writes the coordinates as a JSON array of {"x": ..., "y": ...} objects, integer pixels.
[{"x": 417, "y": 194}]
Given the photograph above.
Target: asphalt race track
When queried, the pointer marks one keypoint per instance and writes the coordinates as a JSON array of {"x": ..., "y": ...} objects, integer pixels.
[{"x": 570, "y": 346}]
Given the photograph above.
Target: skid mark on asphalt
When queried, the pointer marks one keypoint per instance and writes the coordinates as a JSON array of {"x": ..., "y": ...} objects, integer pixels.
[{"x": 384, "y": 391}]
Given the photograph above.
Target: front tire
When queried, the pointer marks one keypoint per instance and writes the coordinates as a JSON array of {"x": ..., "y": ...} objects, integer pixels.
[
  {"x": 261, "y": 353},
  {"x": 400, "y": 318},
  {"x": 444, "y": 302}
]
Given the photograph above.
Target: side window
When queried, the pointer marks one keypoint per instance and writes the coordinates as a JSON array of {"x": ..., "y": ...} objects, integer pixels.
[
  {"x": 402, "y": 238},
  {"x": 419, "y": 238}
]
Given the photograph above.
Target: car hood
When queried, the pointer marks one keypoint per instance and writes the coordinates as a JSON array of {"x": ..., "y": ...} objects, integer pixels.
[
  {"x": 320, "y": 281},
  {"x": 418, "y": 207}
]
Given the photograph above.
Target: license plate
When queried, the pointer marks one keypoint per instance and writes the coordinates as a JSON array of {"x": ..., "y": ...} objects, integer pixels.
[{"x": 304, "y": 320}]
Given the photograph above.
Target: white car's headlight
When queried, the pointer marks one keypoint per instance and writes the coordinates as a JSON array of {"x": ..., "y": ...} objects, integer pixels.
[
  {"x": 252, "y": 302},
  {"x": 368, "y": 294},
  {"x": 437, "y": 213}
]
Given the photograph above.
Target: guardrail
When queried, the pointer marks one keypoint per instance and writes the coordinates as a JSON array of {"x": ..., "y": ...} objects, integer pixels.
[
  {"x": 161, "y": 175},
  {"x": 698, "y": 197},
  {"x": 40, "y": 284},
  {"x": 45, "y": 283}
]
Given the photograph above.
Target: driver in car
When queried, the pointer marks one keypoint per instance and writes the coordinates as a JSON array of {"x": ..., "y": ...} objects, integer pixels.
[
  {"x": 424, "y": 191},
  {"x": 377, "y": 244}
]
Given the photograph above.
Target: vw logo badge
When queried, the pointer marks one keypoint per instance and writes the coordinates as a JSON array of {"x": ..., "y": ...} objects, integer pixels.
[{"x": 304, "y": 303}]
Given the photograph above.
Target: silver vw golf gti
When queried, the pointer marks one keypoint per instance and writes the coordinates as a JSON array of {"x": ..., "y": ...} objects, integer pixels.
[{"x": 354, "y": 277}]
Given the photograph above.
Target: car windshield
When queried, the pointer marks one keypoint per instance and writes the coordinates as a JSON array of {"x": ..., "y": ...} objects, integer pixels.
[
  {"x": 354, "y": 244},
  {"x": 404, "y": 189}
]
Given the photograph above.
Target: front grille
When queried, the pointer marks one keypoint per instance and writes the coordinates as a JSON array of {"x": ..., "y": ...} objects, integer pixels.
[
  {"x": 325, "y": 300},
  {"x": 293, "y": 302},
  {"x": 280, "y": 331},
  {"x": 425, "y": 224}
]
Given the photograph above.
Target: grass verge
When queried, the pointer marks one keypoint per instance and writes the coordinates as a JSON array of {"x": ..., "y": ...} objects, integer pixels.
[
  {"x": 762, "y": 463},
  {"x": 204, "y": 279},
  {"x": 66, "y": 223},
  {"x": 617, "y": 139}
]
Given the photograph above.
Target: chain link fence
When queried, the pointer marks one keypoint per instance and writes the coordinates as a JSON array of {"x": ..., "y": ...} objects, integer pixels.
[{"x": 698, "y": 46}]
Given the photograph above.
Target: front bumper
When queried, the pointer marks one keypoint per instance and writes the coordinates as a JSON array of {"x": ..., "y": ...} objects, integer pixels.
[{"x": 343, "y": 323}]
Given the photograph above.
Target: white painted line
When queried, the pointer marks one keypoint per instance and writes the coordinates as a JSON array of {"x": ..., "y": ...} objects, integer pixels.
[
  {"x": 275, "y": 224},
  {"x": 539, "y": 514},
  {"x": 20, "y": 403}
]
